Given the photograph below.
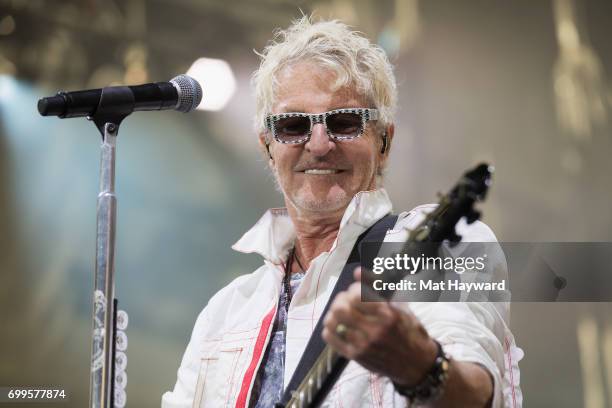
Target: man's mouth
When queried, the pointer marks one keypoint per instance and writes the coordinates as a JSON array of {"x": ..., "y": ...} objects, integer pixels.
[{"x": 322, "y": 171}]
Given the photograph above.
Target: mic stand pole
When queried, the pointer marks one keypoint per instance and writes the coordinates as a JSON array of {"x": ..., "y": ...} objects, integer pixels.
[{"x": 115, "y": 104}]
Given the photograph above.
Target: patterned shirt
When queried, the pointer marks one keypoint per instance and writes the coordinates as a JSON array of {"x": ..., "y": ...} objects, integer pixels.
[{"x": 269, "y": 384}]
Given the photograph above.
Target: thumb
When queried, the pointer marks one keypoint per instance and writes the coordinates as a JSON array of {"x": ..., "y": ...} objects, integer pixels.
[{"x": 357, "y": 273}]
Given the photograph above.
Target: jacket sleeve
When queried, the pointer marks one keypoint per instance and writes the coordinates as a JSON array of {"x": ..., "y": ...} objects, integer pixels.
[{"x": 476, "y": 332}]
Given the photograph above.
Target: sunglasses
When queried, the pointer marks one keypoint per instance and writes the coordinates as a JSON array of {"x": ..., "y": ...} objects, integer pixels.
[{"x": 340, "y": 124}]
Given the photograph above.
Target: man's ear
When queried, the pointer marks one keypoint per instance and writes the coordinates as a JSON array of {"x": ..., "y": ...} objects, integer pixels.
[
  {"x": 387, "y": 137},
  {"x": 265, "y": 146}
]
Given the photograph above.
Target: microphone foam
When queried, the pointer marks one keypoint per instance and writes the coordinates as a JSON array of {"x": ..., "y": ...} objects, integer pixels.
[{"x": 189, "y": 93}]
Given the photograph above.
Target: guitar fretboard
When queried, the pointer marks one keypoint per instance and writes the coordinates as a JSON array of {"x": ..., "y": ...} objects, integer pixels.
[{"x": 319, "y": 380}]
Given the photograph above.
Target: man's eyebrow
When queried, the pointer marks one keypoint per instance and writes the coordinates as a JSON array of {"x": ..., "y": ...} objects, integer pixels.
[{"x": 292, "y": 109}]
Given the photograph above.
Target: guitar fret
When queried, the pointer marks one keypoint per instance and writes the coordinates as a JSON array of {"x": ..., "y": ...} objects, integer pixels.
[{"x": 310, "y": 382}]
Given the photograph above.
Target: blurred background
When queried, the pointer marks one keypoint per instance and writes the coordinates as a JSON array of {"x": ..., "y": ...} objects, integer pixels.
[{"x": 522, "y": 84}]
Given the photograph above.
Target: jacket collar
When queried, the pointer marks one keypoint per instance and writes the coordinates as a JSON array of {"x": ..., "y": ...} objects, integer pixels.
[{"x": 273, "y": 235}]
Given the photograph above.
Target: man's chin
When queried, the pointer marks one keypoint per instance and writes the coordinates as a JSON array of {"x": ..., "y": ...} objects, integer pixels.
[{"x": 330, "y": 203}]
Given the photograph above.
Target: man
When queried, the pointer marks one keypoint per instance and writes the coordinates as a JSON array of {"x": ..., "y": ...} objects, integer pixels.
[{"x": 325, "y": 103}]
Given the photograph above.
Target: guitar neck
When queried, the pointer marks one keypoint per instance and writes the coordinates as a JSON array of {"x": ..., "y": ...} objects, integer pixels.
[{"x": 319, "y": 380}]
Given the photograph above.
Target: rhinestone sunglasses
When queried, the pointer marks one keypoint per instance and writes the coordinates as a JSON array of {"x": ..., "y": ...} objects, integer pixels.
[{"x": 340, "y": 124}]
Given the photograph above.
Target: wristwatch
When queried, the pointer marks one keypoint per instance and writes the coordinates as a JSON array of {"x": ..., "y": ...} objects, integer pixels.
[{"x": 432, "y": 386}]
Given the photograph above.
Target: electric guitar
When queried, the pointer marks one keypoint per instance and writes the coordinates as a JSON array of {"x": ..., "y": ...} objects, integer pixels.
[{"x": 437, "y": 227}]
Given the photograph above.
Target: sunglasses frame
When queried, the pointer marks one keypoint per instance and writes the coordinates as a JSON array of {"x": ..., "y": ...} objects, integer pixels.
[{"x": 366, "y": 114}]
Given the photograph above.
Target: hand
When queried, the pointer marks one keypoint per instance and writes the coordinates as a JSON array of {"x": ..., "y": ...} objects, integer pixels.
[{"x": 379, "y": 336}]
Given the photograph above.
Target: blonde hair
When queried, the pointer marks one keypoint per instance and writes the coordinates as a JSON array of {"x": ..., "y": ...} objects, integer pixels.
[{"x": 354, "y": 59}]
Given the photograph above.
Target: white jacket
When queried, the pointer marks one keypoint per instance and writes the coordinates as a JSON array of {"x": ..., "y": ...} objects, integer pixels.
[{"x": 231, "y": 334}]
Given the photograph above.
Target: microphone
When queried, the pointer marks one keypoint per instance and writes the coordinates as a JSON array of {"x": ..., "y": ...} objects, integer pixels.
[{"x": 182, "y": 93}]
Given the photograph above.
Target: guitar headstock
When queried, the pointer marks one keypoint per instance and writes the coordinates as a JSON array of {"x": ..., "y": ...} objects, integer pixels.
[
  {"x": 471, "y": 188},
  {"x": 474, "y": 184}
]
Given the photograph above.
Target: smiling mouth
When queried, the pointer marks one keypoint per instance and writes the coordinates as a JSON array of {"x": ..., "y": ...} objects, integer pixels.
[{"x": 322, "y": 171}]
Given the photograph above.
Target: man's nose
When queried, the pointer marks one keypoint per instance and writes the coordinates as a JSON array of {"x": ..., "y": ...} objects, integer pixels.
[{"x": 320, "y": 143}]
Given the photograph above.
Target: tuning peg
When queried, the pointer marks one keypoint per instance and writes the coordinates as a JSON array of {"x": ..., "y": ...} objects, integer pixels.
[{"x": 472, "y": 216}]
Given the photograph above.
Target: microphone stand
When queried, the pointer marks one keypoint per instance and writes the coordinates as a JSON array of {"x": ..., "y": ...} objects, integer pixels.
[
  {"x": 109, "y": 341},
  {"x": 116, "y": 103}
]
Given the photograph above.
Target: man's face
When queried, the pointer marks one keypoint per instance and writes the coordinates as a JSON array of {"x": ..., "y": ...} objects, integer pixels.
[{"x": 322, "y": 175}]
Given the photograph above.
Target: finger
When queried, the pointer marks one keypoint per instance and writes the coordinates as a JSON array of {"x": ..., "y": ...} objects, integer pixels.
[
  {"x": 336, "y": 343},
  {"x": 357, "y": 274},
  {"x": 350, "y": 315},
  {"x": 353, "y": 292},
  {"x": 403, "y": 307},
  {"x": 351, "y": 344},
  {"x": 366, "y": 279},
  {"x": 351, "y": 334},
  {"x": 361, "y": 276},
  {"x": 361, "y": 329},
  {"x": 343, "y": 309},
  {"x": 358, "y": 328},
  {"x": 371, "y": 311}
]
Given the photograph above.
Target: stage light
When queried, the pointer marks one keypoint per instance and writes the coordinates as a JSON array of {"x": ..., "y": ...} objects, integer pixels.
[
  {"x": 8, "y": 88},
  {"x": 217, "y": 81}
]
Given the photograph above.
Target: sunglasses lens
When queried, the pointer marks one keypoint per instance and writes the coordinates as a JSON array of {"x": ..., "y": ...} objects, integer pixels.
[
  {"x": 292, "y": 130},
  {"x": 344, "y": 125}
]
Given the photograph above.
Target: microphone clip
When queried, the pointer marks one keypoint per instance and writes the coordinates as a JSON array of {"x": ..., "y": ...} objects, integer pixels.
[{"x": 116, "y": 103}]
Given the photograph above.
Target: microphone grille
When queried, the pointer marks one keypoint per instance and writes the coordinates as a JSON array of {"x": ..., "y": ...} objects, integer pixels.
[{"x": 189, "y": 93}]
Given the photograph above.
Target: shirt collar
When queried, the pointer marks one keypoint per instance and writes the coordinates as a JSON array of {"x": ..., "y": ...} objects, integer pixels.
[{"x": 273, "y": 235}]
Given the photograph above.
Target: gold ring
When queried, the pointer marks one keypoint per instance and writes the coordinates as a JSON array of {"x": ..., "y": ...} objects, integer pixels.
[{"x": 341, "y": 330}]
